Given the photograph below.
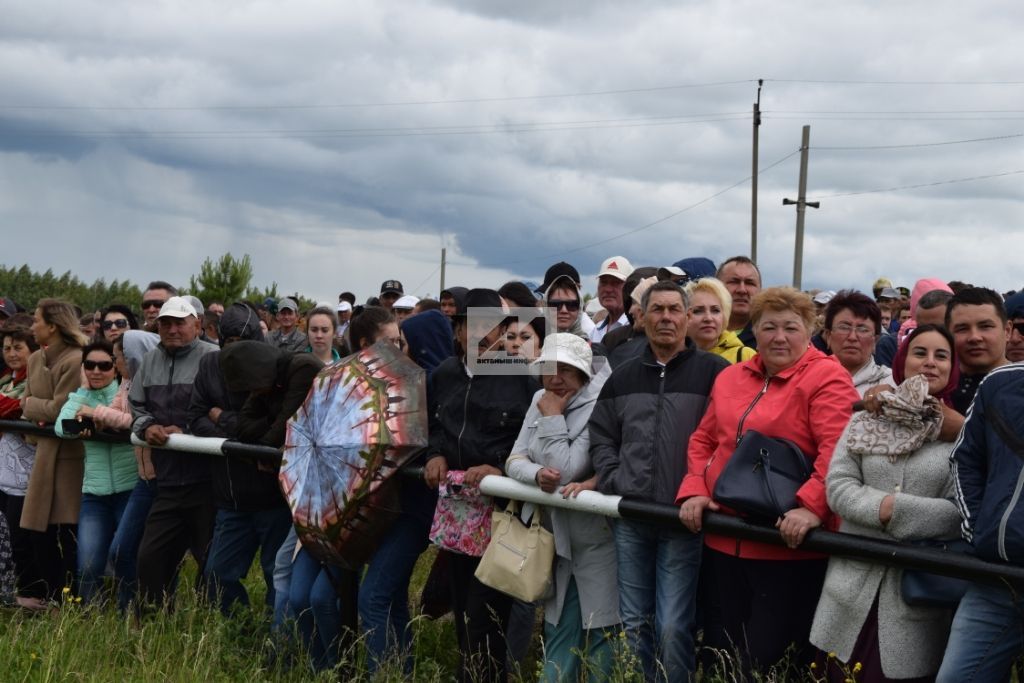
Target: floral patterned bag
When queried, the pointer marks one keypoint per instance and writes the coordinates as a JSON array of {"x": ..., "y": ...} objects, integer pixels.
[{"x": 462, "y": 518}]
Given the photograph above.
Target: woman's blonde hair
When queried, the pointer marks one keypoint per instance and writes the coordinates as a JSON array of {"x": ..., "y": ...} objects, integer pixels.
[
  {"x": 713, "y": 286},
  {"x": 62, "y": 315},
  {"x": 781, "y": 299}
]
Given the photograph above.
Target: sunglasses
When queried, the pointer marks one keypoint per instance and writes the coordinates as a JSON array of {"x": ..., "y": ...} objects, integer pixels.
[
  {"x": 570, "y": 304},
  {"x": 101, "y": 365},
  {"x": 152, "y": 303},
  {"x": 1019, "y": 327},
  {"x": 120, "y": 324}
]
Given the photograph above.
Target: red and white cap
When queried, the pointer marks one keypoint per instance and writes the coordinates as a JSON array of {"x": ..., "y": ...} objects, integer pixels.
[{"x": 618, "y": 266}]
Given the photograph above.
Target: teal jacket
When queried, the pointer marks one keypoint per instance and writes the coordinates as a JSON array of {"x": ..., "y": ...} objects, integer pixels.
[{"x": 109, "y": 467}]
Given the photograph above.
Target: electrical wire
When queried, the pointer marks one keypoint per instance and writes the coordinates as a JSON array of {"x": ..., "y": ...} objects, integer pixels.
[
  {"x": 1009, "y": 136},
  {"x": 399, "y": 131},
  {"x": 857, "y": 82},
  {"x": 360, "y": 105},
  {"x": 432, "y": 273},
  {"x": 919, "y": 185},
  {"x": 639, "y": 229}
]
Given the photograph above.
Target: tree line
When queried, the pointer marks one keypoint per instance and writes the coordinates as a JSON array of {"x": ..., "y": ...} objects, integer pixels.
[{"x": 226, "y": 279}]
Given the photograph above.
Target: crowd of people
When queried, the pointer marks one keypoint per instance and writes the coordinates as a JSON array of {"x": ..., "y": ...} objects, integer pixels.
[{"x": 905, "y": 402}]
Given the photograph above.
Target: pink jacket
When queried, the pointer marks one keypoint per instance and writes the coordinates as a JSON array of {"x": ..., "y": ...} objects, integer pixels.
[
  {"x": 118, "y": 416},
  {"x": 808, "y": 403}
]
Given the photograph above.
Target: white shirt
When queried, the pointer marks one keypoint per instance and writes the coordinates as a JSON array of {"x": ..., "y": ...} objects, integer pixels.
[{"x": 598, "y": 333}]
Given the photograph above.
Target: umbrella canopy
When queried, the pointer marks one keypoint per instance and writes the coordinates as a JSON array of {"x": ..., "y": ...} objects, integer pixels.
[{"x": 365, "y": 416}]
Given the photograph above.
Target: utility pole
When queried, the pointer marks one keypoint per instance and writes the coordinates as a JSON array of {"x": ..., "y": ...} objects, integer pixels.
[
  {"x": 444, "y": 260},
  {"x": 753, "y": 176},
  {"x": 801, "y": 208}
]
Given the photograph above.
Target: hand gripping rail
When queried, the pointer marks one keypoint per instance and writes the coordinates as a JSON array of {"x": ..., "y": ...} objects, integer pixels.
[{"x": 844, "y": 545}]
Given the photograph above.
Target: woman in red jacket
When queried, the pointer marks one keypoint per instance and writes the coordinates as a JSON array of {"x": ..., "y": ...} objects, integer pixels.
[{"x": 760, "y": 598}]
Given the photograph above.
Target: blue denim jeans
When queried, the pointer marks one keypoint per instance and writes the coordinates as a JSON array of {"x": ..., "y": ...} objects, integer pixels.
[
  {"x": 236, "y": 537},
  {"x": 987, "y": 636},
  {"x": 98, "y": 522},
  {"x": 124, "y": 550},
  {"x": 658, "y": 570},
  {"x": 313, "y": 602},
  {"x": 384, "y": 591},
  {"x": 569, "y": 648}
]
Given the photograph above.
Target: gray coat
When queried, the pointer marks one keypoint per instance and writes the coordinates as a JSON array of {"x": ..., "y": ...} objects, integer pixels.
[
  {"x": 584, "y": 545},
  {"x": 911, "y": 639}
]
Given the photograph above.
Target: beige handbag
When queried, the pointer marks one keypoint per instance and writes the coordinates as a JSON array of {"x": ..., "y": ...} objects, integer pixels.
[{"x": 518, "y": 559}]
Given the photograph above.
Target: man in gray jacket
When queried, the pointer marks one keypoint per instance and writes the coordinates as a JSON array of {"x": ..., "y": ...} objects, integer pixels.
[
  {"x": 182, "y": 514},
  {"x": 639, "y": 429}
]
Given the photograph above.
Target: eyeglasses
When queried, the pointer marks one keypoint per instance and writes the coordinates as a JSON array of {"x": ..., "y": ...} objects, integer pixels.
[
  {"x": 848, "y": 329},
  {"x": 101, "y": 365},
  {"x": 1019, "y": 327},
  {"x": 570, "y": 304},
  {"x": 152, "y": 303},
  {"x": 120, "y": 324}
]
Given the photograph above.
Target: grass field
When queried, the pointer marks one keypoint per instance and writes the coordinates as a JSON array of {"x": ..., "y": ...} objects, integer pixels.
[{"x": 196, "y": 643}]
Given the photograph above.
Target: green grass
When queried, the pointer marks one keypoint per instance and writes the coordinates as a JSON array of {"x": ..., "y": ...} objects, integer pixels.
[{"x": 196, "y": 643}]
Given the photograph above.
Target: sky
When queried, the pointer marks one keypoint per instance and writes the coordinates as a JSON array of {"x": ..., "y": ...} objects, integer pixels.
[{"x": 341, "y": 144}]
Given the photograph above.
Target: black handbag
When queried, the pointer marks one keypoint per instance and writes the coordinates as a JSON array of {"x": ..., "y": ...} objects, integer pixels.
[
  {"x": 762, "y": 476},
  {"x": 923, "y": 589}
]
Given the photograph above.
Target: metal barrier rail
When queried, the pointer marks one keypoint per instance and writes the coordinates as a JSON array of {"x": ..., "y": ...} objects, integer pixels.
[{"x": 820, "y": 540}]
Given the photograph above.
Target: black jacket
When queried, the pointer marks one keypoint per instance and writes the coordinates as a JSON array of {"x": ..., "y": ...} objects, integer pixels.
[
  {"x": 277, "y": 382},
  {"x": 238, "y": 483},
  {"x": 475, "y": 420},
  {"x": 643, "y": 419}
]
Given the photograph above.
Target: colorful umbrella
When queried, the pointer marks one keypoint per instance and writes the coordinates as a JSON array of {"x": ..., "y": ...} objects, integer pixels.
[{"x": 365, "y": 416}]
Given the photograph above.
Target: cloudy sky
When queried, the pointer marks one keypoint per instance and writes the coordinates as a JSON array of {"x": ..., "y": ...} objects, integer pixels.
[{"x": 343, "y": 143}]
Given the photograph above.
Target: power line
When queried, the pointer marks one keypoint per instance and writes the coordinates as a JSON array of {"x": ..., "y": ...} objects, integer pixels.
[
  {"x": 865, "y": 82},
  {"x": 1009, "y": 136},
  {"x": 895, "y": 111},
  {"x": 785, "y": 117},
  {"x": 524, "y": 126},
  {"x": 920, "y": 185},
  {"x": 432, "y": 273},
  {"x": 360, "y": 105},
  {"x": 635, "y": 230}
]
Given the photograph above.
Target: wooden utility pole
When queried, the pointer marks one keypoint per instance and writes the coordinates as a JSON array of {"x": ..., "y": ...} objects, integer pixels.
[
  {"x": 444, "y": 260},
  {"x": 753, "y": 176},
  {"x": 801, "y": 208}
]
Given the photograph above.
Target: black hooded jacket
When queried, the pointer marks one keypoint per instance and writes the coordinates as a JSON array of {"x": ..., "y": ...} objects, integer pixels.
[
  {"x": 238, "y": 484},
  {"x": 277, "y": 382}
]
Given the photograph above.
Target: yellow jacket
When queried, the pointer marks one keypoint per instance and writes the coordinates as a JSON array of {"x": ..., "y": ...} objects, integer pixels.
[{"x": 731, "y": 348}]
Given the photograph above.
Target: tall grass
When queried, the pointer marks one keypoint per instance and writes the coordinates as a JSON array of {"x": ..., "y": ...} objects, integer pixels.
[{"x": 194, "y": 642}]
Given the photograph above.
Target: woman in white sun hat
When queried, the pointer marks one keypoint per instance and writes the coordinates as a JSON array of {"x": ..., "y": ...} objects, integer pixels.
[{"x": 552, "y": 452}]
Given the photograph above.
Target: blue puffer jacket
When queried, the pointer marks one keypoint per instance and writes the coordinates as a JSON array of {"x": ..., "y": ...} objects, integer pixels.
[
  {"x": 988, "y": 467},
  {"x": 109, "y": 467}
]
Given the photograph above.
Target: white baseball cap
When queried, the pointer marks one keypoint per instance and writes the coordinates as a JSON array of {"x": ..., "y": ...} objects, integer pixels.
[
  {"x": 344, "y": 306},
  {"x": 177, "y": 307},
  {"x": 618, "y": 266},
  {"x": 406, "y": 302}
]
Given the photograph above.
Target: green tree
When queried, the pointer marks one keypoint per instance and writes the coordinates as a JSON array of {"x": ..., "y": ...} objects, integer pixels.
[
  {"x": 27, "y": 287},
  {"x": 226, "y": 280},
  {"x": 258, "y": 296}
]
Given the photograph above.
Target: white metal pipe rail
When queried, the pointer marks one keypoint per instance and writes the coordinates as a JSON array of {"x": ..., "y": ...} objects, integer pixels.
[{"x": 846, "y": 545}]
